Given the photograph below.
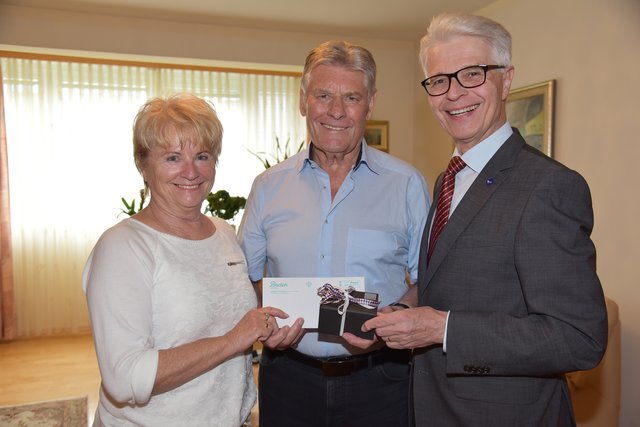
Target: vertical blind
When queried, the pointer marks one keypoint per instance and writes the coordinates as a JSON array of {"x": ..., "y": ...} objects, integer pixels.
[{"x": 69, "y": 130}]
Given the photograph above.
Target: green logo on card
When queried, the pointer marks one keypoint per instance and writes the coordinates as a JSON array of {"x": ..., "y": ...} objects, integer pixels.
[{"x": 277, "y": 285}]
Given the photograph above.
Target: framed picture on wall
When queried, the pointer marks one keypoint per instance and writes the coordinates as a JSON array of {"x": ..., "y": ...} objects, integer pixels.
[
  {"x": 376, "y": 134},
  {"x": 530, "y": 109}
]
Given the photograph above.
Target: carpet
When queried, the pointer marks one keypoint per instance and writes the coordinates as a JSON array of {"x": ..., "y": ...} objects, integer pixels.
[{"x": 52, "y": 413}]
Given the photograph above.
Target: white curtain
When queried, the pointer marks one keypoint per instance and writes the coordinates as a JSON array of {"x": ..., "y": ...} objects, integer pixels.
[{"x": 68, "y": 127}]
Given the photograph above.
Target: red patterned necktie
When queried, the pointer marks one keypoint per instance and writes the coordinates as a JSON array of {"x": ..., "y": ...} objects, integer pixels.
[{"x": 444, "y": 201}]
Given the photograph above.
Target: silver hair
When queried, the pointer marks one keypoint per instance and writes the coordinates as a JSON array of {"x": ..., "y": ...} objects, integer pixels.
[
  {"x": 445, "y": 26},
  {"x": 344, "y": 54}
]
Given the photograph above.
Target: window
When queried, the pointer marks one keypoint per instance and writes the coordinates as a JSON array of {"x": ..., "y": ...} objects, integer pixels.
[{"x": 68, "y": 127}]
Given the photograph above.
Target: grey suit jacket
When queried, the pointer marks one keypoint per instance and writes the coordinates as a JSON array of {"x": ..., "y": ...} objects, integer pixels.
[{"x": 516, "y": 268}]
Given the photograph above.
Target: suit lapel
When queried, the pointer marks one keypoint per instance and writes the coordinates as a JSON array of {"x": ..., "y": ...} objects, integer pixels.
[
  {"x": 424, "y": 243},
  {"x": 486, "y": 183}
]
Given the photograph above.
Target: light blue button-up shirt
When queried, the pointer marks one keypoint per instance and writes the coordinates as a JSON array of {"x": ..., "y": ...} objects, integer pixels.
[{"x": 372, "y": 228}]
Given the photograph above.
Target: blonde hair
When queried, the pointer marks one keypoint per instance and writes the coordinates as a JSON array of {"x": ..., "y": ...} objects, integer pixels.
[{"x": 184, "y": 116}]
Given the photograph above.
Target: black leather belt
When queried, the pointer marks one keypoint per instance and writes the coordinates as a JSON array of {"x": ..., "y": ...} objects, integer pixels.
[{"x": 345, "y": 365}]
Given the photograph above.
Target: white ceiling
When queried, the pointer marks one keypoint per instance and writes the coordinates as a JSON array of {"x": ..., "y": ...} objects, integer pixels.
[{"x": 388, "y": 19}]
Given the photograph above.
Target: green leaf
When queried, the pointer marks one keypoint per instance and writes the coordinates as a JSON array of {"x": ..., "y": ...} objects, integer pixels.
[
  {"x": 223, "y": 205},
  {"x": 281, "y": 153},
  {"x": 131, "y": 207}
]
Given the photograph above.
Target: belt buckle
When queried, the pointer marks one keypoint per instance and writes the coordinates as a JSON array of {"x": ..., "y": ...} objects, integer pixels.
[
  {"x": 338, "y": 369},
  {"x": 346, "y": 366}
]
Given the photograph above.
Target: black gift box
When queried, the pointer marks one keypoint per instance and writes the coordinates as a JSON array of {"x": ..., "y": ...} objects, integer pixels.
[{"x": 329, "y": 320}]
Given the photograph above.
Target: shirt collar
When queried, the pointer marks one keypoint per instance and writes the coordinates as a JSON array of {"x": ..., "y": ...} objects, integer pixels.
[
  {"x": 364, "y": 157},
  {"x": 478, "y": 156}
]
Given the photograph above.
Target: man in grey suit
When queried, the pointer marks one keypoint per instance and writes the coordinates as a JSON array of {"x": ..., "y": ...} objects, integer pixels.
[{"x": 508, "y": 299}]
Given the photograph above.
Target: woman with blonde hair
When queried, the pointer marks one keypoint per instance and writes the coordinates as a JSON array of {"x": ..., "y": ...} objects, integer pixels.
[{"x": 173, "y": 312}]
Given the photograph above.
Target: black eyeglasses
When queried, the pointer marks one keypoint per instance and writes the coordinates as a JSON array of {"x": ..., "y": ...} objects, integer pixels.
[{"x": 468, "y": 77}]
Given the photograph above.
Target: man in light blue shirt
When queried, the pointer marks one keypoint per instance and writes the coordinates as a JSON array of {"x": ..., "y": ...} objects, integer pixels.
[{"x": 338, "y": 208}]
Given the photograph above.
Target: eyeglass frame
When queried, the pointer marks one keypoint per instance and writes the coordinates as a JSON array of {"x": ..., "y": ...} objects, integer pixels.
[{"x": 454, "y": 75}]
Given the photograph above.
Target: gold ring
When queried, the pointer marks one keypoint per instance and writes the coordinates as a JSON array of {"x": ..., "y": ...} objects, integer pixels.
[
  {"x": 266, "y": 317},
  {"x": 266, "y": 324}
]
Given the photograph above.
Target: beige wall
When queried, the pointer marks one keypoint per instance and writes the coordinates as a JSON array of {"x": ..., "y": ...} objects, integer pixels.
[{"x": 591, "y": 48}]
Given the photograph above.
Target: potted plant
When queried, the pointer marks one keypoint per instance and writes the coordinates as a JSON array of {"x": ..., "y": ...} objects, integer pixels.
[
  {"x": 223, "y": 205},
  {"x": 220, "y": 204}
]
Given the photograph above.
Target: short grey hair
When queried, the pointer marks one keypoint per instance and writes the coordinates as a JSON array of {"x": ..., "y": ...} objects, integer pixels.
[
  {"x": 344, "y": 54},
  {"x": 445, "y": 26}
]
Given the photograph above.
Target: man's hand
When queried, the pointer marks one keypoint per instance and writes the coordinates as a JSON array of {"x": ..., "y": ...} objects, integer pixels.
[
  {"x": 408, "y": 328},
  {"x": 356, "y": 341}
]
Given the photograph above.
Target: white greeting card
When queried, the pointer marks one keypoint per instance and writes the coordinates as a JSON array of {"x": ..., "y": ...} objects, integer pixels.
[{"x": 298, "y": 296}]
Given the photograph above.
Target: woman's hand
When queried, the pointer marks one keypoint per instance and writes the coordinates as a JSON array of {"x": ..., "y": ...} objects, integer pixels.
[
  {"x": 286, "y": 336},
  {"x": 257, "y": 325}
]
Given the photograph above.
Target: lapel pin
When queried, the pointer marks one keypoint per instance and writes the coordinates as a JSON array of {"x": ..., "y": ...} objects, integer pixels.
[{"x": 489, "y": 181}]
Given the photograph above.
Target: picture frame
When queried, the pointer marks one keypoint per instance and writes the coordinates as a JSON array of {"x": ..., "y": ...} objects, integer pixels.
[
  {"x": 530, "y": 109},
  {"x": 376, "y": 134}
]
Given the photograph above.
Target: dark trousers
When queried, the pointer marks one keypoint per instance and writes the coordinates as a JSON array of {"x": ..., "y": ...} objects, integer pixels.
[{"x": 297, "y": 392}]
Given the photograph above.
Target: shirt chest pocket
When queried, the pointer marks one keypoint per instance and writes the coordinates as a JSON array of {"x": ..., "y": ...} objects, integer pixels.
[{"x": 369, "y": 246}]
